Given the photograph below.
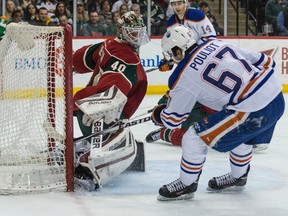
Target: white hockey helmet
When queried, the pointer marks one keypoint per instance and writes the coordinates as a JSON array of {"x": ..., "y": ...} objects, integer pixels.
[
  {"x": 180, "y": 37},
  {"x": 132, "y": 30},
  {"x": 185, "y": 1}
]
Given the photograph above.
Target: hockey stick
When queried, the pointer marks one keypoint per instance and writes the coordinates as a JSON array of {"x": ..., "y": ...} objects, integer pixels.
[
  {"x": 142, "y": 114},
  {"x": 151, "y": 69},
  {"x": 120, "y": 125},
  {"x": 52, "y": 133}
]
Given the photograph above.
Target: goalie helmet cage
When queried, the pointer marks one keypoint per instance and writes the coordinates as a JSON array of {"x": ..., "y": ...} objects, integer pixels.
[{"x": 35, "y": 102}]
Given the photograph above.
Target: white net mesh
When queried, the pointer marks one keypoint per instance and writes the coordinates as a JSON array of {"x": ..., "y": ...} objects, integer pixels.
[{"x": 32, "y": 109}]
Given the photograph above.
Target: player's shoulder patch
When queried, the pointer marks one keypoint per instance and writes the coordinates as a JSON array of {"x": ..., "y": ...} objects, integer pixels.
[
  {"x": 194, "y": 15},
  {"x": 121, "y": 51}
]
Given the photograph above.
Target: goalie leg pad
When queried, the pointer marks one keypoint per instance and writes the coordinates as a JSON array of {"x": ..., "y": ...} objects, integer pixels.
[{"x": 117, "y": 154}]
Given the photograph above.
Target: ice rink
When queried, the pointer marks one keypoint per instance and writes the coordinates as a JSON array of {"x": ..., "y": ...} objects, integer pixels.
[{"x": 135, "y": 193}]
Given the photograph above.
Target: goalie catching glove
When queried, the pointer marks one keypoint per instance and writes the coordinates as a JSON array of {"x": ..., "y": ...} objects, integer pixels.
[{"x": 107, "y": 105}]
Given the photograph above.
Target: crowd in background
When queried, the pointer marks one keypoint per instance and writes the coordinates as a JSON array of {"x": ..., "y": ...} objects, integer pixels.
[{"x": 99, "y": 17}]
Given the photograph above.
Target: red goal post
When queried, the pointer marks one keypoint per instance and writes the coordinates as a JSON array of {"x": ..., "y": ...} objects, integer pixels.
[{"x": 36, "y": 101}]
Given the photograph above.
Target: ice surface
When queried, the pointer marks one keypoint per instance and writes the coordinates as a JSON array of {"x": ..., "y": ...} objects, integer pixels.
[{"x": 135, "y": 193}]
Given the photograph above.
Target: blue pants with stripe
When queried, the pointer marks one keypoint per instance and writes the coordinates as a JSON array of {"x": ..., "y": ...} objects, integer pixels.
[{"x": 257, "y": 128}]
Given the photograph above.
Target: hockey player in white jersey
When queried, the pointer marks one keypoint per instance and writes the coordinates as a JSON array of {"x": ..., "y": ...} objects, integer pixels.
[
  {"x": 240, "y": 84},
  {"x": 193, "y": 19}
]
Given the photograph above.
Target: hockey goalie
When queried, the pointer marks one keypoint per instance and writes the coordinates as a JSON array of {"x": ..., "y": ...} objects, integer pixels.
[{"x": 116, "y": 88}]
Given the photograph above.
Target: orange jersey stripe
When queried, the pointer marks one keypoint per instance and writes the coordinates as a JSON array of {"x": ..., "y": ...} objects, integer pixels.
[
  {"x": 255, "y": 79},
  {"x": 225, "y": 125}
]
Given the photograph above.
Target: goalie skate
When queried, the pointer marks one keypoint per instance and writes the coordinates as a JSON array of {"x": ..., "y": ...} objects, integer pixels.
[
  {"x": 153, "y": 136},
  {"x": 176, "y": 190},
  {"x": 228, "y": 183},
  {"x": 84, "y": 180}
]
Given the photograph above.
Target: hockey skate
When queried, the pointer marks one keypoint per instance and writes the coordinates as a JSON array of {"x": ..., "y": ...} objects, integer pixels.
[
  {"x": 260, "y": 147},
  {"x": 228, "y": 183},
  {"x": 153, "y": 136},
  {"x": 84, "y": 183},
  {"x": 176, "y": 190}
]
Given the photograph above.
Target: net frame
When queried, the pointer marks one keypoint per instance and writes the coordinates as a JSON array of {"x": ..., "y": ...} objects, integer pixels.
[{"x": 23, "y": 42}]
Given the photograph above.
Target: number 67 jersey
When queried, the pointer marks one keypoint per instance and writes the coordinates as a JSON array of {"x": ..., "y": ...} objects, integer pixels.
[{"x": 219, "y": 75}]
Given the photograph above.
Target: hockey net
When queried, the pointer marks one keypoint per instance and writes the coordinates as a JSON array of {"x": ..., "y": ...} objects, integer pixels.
[{"x": 35, "y": 108}]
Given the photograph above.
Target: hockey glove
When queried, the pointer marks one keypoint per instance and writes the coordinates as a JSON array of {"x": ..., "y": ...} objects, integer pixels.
[
  {"x": 174, "y": 136},
  {"x": 156, "y": 118},
  {"x": 165, "y": 65},
  {"x": 164, "y": 99}
]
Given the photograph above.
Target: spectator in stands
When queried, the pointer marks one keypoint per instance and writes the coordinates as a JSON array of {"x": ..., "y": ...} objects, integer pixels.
[
  {"x": 24, "y": 3},
  {"x": 219, "y": 30},
  {"x": 203, "y": 6},
  {"x": 17, "y": 16},
  {"x": 16, "y": 2},
  {"x": 282, "y": 21},
  {"x": 136, "y": 8},
  {"x": 64, "y": 20},
  {"x": 50, "y": 5},
  {"x": 111, "y": 29},
  {"x": 93, "y": 27},
  {"x": 81, "y": 16},
  {"x": 117, "y": 4},
  {"x": 69, "y": 4},
  {"x": 94, "y": 5},
  {"x": 42, "y": 19},
  {"x": 10, "y": 7},
  {"x": 157, "y": 16},
  {"x": 195, "y": 4},
  {"x": 105, "y": 14},
  {"x": 61, "y": 9},
  {"x": 30, "y": 13},
  {"x": 123, "y": 9},
  {"x": 272, "y": 9}
]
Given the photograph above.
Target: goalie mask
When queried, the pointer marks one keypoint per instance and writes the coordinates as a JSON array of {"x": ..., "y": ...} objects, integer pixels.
[
  {"x": 177, "y": 41},
  {"x": 131, "y": 30}
]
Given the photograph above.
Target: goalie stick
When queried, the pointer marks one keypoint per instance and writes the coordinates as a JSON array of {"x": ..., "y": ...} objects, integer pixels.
[
  {"x": 53, "y": 133},
  {"x": 120, "y": 125},
  {"x": 142, "y": 114}
]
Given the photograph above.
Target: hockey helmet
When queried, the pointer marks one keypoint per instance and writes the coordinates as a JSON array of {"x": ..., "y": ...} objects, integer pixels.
[
  {"x": 185, "y": 1},
  {"x": 179, "y": 37}
]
